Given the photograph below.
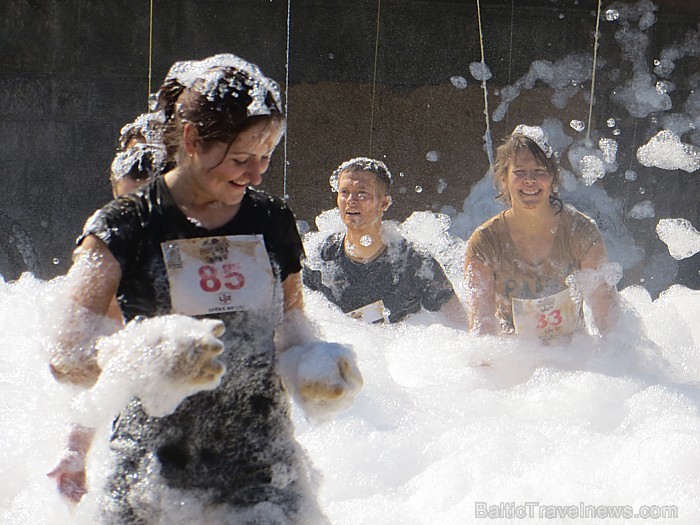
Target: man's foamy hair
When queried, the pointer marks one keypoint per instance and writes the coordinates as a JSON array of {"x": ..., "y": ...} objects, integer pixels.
[{"x": 363, "y": 164}]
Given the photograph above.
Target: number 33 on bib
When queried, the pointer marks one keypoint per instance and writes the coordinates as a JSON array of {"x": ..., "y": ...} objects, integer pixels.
[
  {"x": 218, "y": 274},
  {"x": 548, "y": 317}
]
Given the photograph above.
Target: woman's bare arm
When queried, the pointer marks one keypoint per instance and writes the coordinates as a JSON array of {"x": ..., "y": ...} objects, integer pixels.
[
  {"x": 91, "y": 284},
  {"x": 481, "y": 297},
  {"x": 603, "y": 300}
]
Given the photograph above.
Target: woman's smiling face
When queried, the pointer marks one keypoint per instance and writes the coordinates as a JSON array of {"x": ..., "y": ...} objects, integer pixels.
[
  {"x": 528, "y": 182},
  {"x": 223, "y": 172}
]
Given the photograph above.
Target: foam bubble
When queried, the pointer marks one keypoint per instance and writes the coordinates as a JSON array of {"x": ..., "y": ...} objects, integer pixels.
[
  {"x": 480, "y": 71},
  {"x": 609, "y": 149},
  {"x": 459, "y": 82},
  {"x": 682, "y": 239},
  {"x": 642, "y": 210},
  {"x": 591, "y": 168},
  {"x": 641, "y": 97},
  {"x": 366, "y": 240},
  {"x": 611, "y": 15},
  {"x": 577, "y": 125},
  {"x": 666, "y": 151}
]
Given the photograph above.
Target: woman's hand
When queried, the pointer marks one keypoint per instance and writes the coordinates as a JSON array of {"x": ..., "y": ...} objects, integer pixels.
[
  {"x": 604, "y": 299},
  {"x": 323, "y": 378},
  {"x": 91, "y": 284},
  {"x": 327, "y": 372},
  {"x": 70, "y": 476}
]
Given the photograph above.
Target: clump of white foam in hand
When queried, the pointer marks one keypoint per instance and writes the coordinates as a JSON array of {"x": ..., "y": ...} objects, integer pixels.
[
  {"x": 682, "y": 239},
  {"x": 666, "y": 151},
  {"x": 161, "y": 361},
  {"x": 582, "y": 283},
  {"x": 323, "y": 378}
]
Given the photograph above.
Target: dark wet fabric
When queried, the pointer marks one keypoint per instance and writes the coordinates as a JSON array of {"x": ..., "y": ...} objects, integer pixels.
[
  {"x": 402, "y": 277},
  {"x": 134, "y": 225},
  {"x": 233, "y": 444}
]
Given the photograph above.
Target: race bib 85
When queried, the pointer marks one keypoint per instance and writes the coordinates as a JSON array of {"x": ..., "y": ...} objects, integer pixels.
[{"x": 218, "y": 274}]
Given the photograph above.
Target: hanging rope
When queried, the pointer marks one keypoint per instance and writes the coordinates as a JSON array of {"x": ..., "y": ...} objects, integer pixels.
[
  {"x": 150, "y": 49},
  {"x": 595, "y": 59},
  {"x": 374, "y": 77},
  {"x": 510, "y": 53},
  {"x": 487, "y": 135},
  {"x": 286, "y": 101}
]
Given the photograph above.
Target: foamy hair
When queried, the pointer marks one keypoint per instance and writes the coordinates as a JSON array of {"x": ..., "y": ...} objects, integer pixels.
[
  {"x": 537, "y": 135},
  {"x": 377, "y": 167},
  {"x": 209, "y": 78},
  {"x": 147, "y": 125},
  {"x": 141, "y": 161}
]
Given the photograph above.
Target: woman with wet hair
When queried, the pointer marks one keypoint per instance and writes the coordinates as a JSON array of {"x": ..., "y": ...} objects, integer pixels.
[
  {"x": 528, "y": 268},
  {"x": 202, "y": 242},
  {"x": 147, "y": 128},
  {"x": 138, "y": 164}
]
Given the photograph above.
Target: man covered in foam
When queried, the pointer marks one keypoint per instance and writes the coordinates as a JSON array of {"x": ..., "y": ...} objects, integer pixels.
[
  {"x": 369, "y": 270},
  {"x": 201, "y": 242},
  {"x": 529, "y": 268}
]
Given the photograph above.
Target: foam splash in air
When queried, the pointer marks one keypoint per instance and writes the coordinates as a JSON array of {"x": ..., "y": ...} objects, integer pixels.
[
  {"x": 459, "y": 82},
  {"x": 642, "y": 210},
  {"x": 666, "y": 151},
  {"x": 565, "y": 76},
  {"x": 682, "y": 239}
]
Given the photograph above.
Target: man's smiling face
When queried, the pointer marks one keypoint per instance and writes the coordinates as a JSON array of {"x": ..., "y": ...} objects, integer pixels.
[{"x": 361, "y": 200}]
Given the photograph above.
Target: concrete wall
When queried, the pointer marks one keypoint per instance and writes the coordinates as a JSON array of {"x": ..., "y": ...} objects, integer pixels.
[{"x": 72, "y": 72}]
